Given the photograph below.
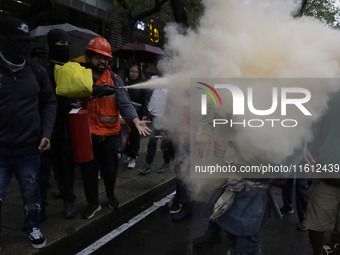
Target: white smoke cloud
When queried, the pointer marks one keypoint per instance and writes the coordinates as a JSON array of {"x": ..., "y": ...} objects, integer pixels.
[{"x": 244, "y": 39}]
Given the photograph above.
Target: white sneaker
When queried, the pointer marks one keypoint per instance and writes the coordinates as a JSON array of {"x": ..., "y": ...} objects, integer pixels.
[
  {"x": 127, "y": 160},
  {"x": 37, "y": 239},
  {"x": 132, "y": 163},
  {"x": 119, "y": 155}
]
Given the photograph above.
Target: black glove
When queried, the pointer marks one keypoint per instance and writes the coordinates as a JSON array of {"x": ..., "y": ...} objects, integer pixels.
[{"x": 103, "y": 90}]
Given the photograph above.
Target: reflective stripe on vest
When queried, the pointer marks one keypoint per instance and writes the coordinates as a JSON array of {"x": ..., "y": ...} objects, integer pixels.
[{"x": 101, "y": 118}]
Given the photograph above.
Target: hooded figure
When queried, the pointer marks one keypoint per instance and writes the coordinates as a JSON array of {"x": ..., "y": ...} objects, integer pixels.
[
  {"x": 15, "y": 41},
  {"x": 58, "y": 43},
  {"x": 27, "y": 117}
]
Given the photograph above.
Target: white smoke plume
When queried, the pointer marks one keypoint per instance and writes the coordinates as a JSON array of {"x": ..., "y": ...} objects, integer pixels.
[{"x": 251, "y": 39}]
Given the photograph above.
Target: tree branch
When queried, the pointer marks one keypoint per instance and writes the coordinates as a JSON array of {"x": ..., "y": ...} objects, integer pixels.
[
  {"x": 301, "y": 10},
  {"x": 155, "y": 9},
  {"x": 123, "y": 4},
  {"x": 180, "y": 14}
]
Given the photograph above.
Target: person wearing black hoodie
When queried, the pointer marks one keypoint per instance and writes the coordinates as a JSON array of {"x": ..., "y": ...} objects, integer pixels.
[
  {"x": 61, "y": 150},
  {"x": 27, "y": 116}
]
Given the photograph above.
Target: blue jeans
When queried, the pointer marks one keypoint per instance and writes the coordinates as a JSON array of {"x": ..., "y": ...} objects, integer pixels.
[
  {"x": 26, "y": 170},
  {"x": 244, "y": 245}
]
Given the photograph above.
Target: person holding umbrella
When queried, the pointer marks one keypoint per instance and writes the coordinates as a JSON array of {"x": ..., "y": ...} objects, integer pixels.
[{"x": 105, "y": 127}]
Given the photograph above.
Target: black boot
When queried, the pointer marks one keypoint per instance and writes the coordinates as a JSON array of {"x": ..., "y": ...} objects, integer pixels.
[{"x": 211, "y": 236}]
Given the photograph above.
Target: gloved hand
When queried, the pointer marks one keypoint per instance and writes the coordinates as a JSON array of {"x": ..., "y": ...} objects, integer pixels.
[{"x": 103, "y": 90}]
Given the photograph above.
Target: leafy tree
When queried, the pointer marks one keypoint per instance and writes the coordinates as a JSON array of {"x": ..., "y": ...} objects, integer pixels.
[
  {"x": 180, "y": 13},
  {"x": 185, "y": 12},
  {"x": 194, "y": 9},
  {"x": 138, "y": 10},
  {"x": 324, "y": 10},
  {"x": 189, "y": 11}
]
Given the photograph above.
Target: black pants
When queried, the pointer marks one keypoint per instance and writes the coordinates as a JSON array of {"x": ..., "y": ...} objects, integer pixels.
[
  {"x": 63, "y": 166},
  {"x": 182, "y": 194},
  {"x": 301, "y": 195},
  {"x": 132, "y": 148},
  {"x": 106, "y": 160},
  {"x": 166, "y": 147}
]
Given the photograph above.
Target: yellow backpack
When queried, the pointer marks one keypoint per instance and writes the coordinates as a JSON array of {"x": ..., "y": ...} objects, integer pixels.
[{"x": 73, "y": 80}]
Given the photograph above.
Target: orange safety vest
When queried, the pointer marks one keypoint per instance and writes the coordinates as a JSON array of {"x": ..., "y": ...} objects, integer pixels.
[{"x": 103, "y": 111}]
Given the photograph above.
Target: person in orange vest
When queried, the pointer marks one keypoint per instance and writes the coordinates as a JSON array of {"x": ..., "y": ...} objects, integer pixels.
[{"x": 105, "y": 127}]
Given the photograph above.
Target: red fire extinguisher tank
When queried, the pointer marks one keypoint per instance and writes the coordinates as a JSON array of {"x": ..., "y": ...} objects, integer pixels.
[{"x": 80, "y": 135}]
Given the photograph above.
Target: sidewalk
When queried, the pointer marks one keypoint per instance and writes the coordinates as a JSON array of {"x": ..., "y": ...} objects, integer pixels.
[{"x": 66, "y": 236}]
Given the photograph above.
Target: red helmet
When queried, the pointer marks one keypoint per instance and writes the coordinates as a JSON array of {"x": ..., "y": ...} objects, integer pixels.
[{"x": 100, "y": 45}]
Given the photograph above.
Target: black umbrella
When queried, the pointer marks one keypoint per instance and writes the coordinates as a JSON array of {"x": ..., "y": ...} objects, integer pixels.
[{"x": 78, "y": 37}]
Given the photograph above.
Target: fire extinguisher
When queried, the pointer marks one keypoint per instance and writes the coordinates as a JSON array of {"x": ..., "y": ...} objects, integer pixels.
[{"x": 80, "y": 133}]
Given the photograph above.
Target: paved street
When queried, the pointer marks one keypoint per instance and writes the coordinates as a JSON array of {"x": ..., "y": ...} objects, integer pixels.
[
  {"x": 158, "y": 235},
  {"x": 153, "y": 235},
  {"x": 132, "y": 189}
]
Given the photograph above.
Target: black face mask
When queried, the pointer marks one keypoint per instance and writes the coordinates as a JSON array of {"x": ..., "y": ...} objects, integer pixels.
[
  {"x": 15, "y": 50},
  {"x": 60, "y": 53}
]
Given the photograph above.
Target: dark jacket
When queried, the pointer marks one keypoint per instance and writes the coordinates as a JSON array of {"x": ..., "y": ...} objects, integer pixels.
[{"x": 27, "y": 109}]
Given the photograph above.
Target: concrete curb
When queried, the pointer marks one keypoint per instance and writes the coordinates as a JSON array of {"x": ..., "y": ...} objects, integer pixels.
[{"x": 86, "y": 235}]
